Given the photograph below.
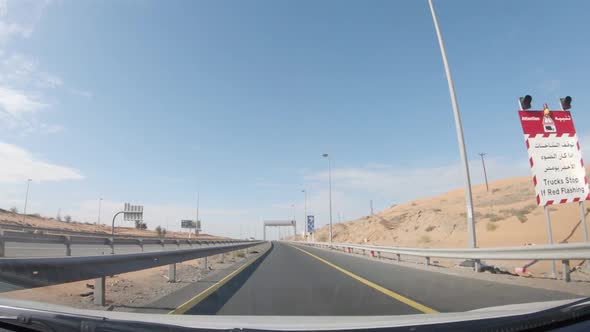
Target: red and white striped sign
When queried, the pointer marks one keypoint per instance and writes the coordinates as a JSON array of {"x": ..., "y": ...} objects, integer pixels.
[{"x": 556, "y": 161}]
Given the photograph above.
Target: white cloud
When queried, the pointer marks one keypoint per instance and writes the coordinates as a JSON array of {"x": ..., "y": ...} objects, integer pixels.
[
  {"x": 18, "y": 17},
  {"x": 16, "y": 102},
  {"x": 19, "y": 165},
  {"x": 24, "y": 84}
]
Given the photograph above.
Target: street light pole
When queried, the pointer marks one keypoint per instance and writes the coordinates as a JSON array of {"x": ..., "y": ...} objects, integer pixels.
[
  {"x": 304, "y": 212},
  {"x": 325, "y": 155},
  {"x": 99, "y": 206},
  {"x": 294, "y": 221},
  {"x": 26, "y": 201},
  {"x": 197, "y": 221},
  {"x": 459, "y": 128},
  {"x": 485, "y": 174}
]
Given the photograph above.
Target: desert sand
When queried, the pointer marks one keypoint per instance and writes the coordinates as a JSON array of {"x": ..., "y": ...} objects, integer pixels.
[
  {"x": 506, "y": 215},
  {"x": 9, "y": 218}
]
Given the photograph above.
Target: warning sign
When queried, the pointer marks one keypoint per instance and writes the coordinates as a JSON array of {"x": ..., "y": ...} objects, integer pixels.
[{"x": 554, "y": 155}]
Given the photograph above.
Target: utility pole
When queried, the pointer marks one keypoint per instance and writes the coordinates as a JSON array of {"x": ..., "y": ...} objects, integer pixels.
[
  {"x": 485, "y": 174},
  {"x": 371, "y": 205}
]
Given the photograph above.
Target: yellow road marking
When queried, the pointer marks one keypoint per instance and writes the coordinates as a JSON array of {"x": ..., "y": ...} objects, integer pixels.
[
  {"x": 203, "y": 295},
  {"x": 373, "y": 285}
]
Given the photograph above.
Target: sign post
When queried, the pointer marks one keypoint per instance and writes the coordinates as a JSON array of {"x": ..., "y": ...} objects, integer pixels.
[
  {"x": 191, "y": 224},
  {"x": 556, "y": 161},
  {"x": 310, "y": 225}
]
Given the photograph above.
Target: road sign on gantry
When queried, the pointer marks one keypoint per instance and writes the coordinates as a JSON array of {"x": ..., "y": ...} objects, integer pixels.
[
  {"x": 187, "y": 224},
  {"x": 132, "y": 212},
  {"x": 310, "y": 224},
  {"x": 554, "y": 153}
]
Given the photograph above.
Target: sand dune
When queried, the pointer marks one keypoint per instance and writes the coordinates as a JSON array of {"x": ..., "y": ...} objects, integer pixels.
[
  {"x": 7, "y": 217},
  {"x": 507, "y": 215}
]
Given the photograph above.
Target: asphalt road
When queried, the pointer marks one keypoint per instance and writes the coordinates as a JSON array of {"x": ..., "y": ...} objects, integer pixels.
[{"x": 291, "y": 282}]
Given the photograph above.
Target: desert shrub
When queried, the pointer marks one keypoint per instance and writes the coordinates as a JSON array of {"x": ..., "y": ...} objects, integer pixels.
[
  {"x": 68, "y": 218},
  {"x": 424, "y": 239},
  {"x": 491, "y": 227},
  {"x": 14, "y": 209},
  {"x": 430, "y": 228},
  {"x": 521, "y": 217},
  {"x": 492, "y": 217}
]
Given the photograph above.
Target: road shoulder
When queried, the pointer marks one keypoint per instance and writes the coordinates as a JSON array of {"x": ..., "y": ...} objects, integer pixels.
[{"x": 183, "y": 299}]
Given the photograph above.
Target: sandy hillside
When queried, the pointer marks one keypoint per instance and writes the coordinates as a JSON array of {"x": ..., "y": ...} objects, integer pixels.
[
  {"x": 7, "y": 217},
  {"x": 507, "y": 215}
]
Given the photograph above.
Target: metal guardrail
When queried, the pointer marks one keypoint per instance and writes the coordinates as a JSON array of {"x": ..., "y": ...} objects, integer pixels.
[
  {"x": 35, "y": 272},
  {"x": 69, "y": 240},
  {"x": 564, "y": 252}
]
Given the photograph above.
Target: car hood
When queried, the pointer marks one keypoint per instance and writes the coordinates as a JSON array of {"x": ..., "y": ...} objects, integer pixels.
[{"x": 17, "y": 307}]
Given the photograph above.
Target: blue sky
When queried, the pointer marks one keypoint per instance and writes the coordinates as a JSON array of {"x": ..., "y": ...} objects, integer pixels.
[{"x": 150, "y": 102}]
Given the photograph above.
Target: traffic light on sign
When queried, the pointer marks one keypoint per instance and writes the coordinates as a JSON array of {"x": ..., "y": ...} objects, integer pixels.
[
  {"x": 525, "y": 102},
  {"x": 566, "y": 103}
]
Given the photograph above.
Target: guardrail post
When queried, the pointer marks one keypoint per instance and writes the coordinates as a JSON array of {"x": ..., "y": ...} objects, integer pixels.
[
  {"x": 68, "y": 243},
  {"x": 162, "y": 244},
  {"x": 140, "y": 243},
  {"x": 2, "y": 244},
  {"x": 172, "y": 273},
  {"x": 477, "y": 265},
  {"x": 379, "y": 254},
  {"x": 99, "y": 291},
  {"x": 566, "y": 270},
  {"x": 427, "y": 260},
  {"x": 111, "y": 242},
  {"x": 399, "y": 257},
  {"x": 177, "y": 244}
]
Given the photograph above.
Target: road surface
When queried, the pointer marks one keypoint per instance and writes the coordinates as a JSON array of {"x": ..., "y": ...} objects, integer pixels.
[{"x": 300, "y": 280}]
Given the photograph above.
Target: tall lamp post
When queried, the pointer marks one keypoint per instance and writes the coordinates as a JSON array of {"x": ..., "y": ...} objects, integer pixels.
[
  {"x": 325, "y": 155},
  {"x": 304, "y": 213},
  {"x": 459, "y": 129},
  {"x": 99, "y": 206},
  {"x": 294, "y": 222},
  {"x": 26, "y": 201}
]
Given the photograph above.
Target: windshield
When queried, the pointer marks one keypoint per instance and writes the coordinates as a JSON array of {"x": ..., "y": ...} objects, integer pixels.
[{"x": 293, "y": 158}]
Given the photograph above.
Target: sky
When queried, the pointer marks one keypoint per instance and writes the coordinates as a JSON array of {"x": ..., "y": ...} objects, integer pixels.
[{"x": 152, "y": 102}]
